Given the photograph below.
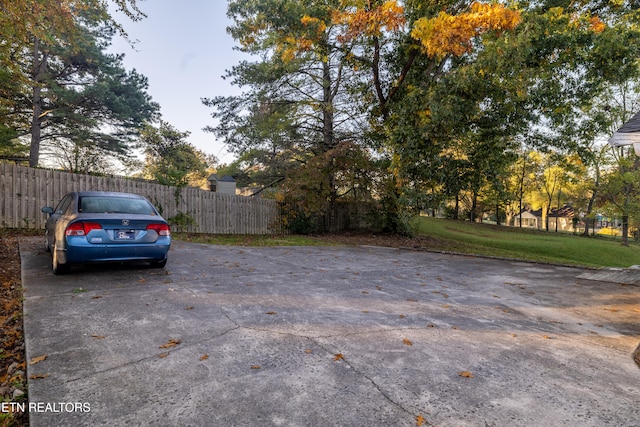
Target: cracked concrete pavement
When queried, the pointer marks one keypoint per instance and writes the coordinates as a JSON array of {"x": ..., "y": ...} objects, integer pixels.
[{"x": 305, "y": 336}]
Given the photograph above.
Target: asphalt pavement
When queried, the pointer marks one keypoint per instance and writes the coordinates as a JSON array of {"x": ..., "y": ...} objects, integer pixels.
[{"x": 328, "y": 336}]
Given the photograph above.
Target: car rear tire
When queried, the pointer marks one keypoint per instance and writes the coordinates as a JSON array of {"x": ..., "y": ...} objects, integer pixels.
[
  {"x": 57, "y": 267},
  {"x": 159, "y": 264}
]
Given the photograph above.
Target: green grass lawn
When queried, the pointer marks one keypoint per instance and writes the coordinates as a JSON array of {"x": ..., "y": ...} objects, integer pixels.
[
  {"x": 472, "y": 238},
  {"x": 531, "y": 245}
]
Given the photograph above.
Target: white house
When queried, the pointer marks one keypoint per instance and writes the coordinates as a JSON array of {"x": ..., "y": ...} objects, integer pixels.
[
  {"x": 530, "y": 219},
  {"x": 628, "y": 134},
  {"x": 564, "y": 217}
]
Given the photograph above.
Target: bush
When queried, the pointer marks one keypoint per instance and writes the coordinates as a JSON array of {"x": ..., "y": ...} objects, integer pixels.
[
  {"x": 303, "y": 224},
  {"x": 181, "y": 221}
]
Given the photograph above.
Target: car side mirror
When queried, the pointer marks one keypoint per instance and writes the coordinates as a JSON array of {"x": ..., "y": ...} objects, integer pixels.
[{"x": 48, "y": 210}]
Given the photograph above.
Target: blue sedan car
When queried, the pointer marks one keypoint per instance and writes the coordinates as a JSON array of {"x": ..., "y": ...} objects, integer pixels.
[{"x": 95, "y": 226}]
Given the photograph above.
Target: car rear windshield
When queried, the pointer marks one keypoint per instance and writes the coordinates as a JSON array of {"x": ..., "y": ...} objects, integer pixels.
[{"x": 126, "y": 205}]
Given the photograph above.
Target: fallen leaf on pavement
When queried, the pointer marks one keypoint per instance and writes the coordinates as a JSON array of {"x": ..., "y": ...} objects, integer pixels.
[
  {"x": 465, "y": 374},
  {"x": 171, "y": 343},
  {"x": 420, "y": 420},
  {"x": 38, "y": 359},
  {"x": 38, "y": 376},
  {"x": 204, "y": 357},
  {"x": 337, "y": 357},
  {"x": 407, "y": 341}
]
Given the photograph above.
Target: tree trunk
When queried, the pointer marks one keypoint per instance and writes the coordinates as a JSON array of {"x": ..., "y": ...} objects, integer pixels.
[
  {"x": 520, "y": 214},
  {"x": 474, "y": 206},
  {"x": 588, "y": 220},
  {"x": 558, "y": 211},
  {"x": 328, "y": 139},
  {"x": 521, "y": 189},
  {"x": 457, "y": 207},
  {"x": 327, "y": 108},
  {"x": 39, "y": 68},
  {"x": 592, "y": 200},
  {"x": 546, "y": 217}
]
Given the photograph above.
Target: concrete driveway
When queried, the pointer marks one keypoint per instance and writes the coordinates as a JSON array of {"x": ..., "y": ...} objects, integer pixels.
[{"x": 328, "y": 336}]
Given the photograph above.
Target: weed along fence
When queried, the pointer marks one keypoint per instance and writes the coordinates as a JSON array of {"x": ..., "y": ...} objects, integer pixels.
[{"x": 24, "y": 191}]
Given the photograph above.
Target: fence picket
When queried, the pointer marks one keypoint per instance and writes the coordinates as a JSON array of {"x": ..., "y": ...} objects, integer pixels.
[{"x": 24, "y": 191}]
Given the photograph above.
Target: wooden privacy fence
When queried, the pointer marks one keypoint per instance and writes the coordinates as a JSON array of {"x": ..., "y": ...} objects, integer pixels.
[{"x": 24, "y": 191}]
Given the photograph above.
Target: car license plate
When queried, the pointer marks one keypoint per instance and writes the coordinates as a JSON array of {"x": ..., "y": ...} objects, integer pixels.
[{"x": 125, "y": 234}]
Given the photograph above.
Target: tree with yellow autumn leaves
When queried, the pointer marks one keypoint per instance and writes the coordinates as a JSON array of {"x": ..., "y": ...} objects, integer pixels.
[{"x": 440, "y": 94}]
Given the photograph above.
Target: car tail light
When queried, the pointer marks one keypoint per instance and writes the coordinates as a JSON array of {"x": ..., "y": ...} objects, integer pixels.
[
  {"x": 161, "y": 229},
  {"x": 81, "y": 228}
]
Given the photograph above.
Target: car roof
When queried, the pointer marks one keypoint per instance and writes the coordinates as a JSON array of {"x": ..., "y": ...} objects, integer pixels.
[{"x": 107, "y": 194}]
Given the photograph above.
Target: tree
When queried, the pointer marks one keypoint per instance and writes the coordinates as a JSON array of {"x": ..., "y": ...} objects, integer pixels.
[
  {"x": 79, "y": 158},
  {"x": 52, "y": 49},
  {"x": 90, "y": 100},
  {"x": 519, "y": 179},
  {"x": 450, "y": 89},
  {"x": 620, "y": 191},
  {"x": 298, "y": 106},
  {"x": 169, "y": 158},
  {"x": 532, "y": 84}
]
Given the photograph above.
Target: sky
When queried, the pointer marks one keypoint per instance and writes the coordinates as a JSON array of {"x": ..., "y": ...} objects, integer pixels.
[{"x": 183, "y": 48}]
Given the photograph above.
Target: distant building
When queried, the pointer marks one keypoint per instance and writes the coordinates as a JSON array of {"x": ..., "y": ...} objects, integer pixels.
[
  {"x": 564, "y": 217},
  {"x": 530, "y": 219},
  {"x": 224, "y": 185}
]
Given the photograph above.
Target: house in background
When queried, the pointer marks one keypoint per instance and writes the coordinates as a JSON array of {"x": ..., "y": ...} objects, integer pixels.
[
  {"x": 563, "y": 217},
  {"x": 224, "y": 185},
  {"x": 530, "y": 219}
]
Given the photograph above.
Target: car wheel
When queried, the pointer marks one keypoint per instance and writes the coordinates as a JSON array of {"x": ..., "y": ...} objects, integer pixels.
[
  {"x": 57, "y": 267},
  {"x": 159, "y": 264}
]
